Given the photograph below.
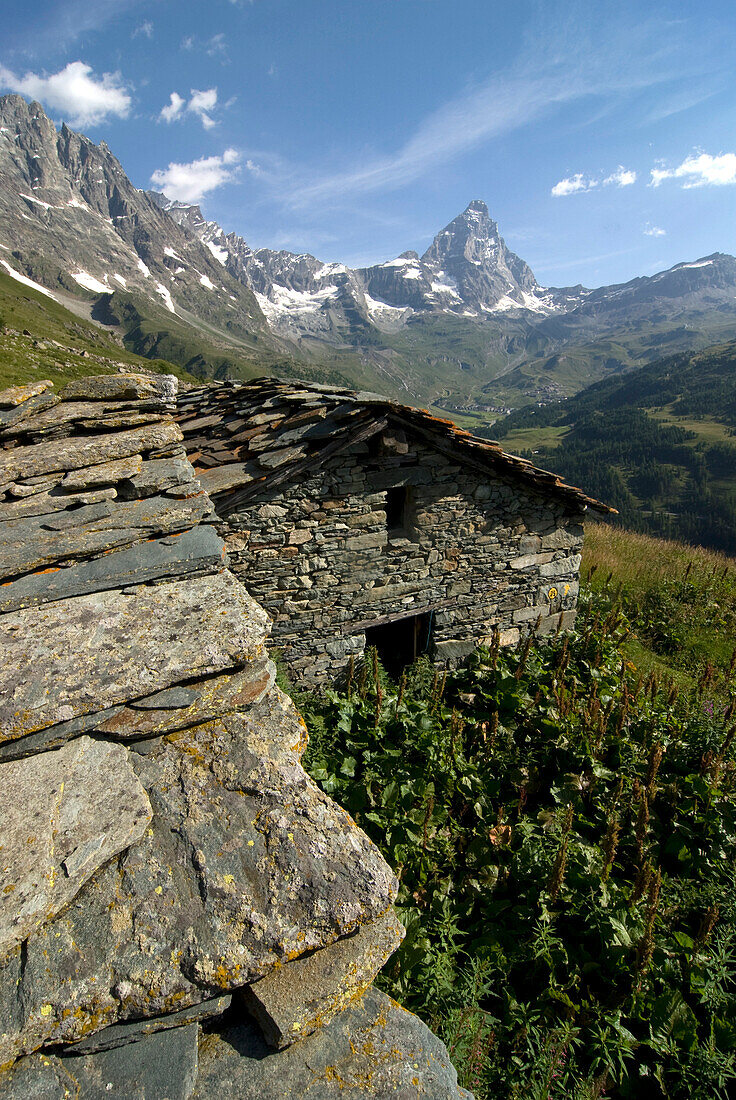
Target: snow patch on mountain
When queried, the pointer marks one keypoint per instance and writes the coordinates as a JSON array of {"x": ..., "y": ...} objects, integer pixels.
[
  {"x": 27, "y": 282},
  {"x": 38, "y": 202},
  {"x": 444, "y": 284},
  {"x": 89, "y": 282},
  {"x": 283, "y": 301},
  {"x": 698, "y": 263},
  {"x": 330, "y": 269},
  {"x": 381, "y": 311},
  {"x": 220, "y": 254},
  {"x": 166, "y": 295}
]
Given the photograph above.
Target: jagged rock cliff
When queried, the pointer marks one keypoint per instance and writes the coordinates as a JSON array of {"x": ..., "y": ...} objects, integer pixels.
[{"x": 182, "y": 911}]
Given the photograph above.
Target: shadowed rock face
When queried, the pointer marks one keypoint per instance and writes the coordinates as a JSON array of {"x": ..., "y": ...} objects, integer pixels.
[{"x": 374, "y": 1049}]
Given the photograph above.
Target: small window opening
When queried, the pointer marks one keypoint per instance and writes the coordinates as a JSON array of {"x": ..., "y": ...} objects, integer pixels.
[
  {"x": 400, "y": 642},
  {"x": 374, "y": 446},
  {"x": 398, "y": 511}
]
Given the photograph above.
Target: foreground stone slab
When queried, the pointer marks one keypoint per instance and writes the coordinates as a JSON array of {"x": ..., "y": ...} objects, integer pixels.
[
  {"x": 42, "y": 458},
  {"x": 132, "y": 1030},
  {"x": 296, "y": 999},
  {"x": 158, "y": 1067},
  {"x": 34, "y": 541},
  {"x": 62, "y": 815},
  {"x": 16, "y": 395},
  {"x": 122, "y": 387},
  {"x": 109, "y": 648},
  {"x": 374, "y": 1049},
  {"x": 151, "y": 559},
  {"x": 245, "y": 865},
  {"x": 40, "y": 1077},
  {"x": 106, "y": 473}
]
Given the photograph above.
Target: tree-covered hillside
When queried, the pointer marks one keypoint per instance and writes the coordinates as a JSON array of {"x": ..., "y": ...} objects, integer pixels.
[{"x": 658, "y": 444}]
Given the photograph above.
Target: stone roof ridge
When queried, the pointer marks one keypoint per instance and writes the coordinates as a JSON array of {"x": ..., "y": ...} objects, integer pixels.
[{"x": 244, "y": 436}]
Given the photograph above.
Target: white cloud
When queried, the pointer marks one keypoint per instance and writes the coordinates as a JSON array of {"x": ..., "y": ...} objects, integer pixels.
[
  {"x": 82, "y": 98},
  {"x": 145, "y": 29},
  {"x": 190, "y": 182},
  {"x": 654, "y": 231},
  {"x": 622, "y": 177},
  {"x": 201, "y": 103},
  {"x": 174, "y": 108},
  {"x": 699, "y": 170},
  {"x": 216, "y": 46},
  {"x": 572, "y": 185}
]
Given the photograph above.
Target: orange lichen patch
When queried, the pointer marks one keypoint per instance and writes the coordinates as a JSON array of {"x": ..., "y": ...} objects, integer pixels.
[{"x": 331, "y": 1074}]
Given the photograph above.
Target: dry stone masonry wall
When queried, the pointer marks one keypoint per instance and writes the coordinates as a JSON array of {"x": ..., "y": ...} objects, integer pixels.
[
  {"x": 182, "y": 912},
  {"x": 346, "y": 511},
  {"x": 477, "y": 553}
]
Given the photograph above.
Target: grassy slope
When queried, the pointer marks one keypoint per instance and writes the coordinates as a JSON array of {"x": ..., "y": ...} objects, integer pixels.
[
  {"x": 682, "y": 599},
  {"x": 659, "y": 444},
  {"x": 41, "y": 339}
]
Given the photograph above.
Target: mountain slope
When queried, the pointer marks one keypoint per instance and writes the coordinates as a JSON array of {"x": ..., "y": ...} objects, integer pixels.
[
  {"x": 40, "y": 339},
  {"x": 659, "y": 444},
  {"x": 465, "y": 324},
  {"x": 470, "y": 316},
  {"x": 72, "y": 221}
]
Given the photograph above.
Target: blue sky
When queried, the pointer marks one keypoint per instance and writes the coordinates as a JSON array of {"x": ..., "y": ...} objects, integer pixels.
[{"x": 602, "y": 135}]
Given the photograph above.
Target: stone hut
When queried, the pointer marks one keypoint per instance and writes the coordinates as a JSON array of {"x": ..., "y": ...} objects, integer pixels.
[{"x": 355, "y": 520}]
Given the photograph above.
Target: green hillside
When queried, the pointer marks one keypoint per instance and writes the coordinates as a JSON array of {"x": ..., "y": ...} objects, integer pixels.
[
  {"x": 39, "y": 338},
  {"x": 659, "y": 444}
]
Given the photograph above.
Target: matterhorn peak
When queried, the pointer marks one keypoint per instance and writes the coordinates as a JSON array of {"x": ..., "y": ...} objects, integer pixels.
[{"x": 472, "y": 253}]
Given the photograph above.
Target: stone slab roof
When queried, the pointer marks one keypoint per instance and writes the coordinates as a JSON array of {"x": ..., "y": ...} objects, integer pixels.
[{"x": 244, "y": 437}]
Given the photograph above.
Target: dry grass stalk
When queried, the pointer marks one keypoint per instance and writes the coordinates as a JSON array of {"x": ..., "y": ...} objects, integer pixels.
[{"x": 558, "y": 871}]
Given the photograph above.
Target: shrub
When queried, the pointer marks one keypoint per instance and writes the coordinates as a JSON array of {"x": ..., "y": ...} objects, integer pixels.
[{"x": 564, "y": 834}]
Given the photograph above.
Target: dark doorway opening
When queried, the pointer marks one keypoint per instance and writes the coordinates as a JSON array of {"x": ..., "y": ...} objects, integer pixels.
[{"x": 400, "y": 642}]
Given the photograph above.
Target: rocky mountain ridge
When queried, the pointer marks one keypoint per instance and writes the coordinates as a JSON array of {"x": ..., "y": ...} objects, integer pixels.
[
  {"x": 467, "y": 270},
  {"x": 74, "y": 223},
  {"x": 465, "y": 319}
]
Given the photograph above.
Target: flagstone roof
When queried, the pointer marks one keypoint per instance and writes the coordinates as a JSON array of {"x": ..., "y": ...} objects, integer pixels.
[{"x": 245, "y": 437}]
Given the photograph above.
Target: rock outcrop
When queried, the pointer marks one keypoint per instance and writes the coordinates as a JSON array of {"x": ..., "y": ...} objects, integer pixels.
[{"x": 175, "y": 890}]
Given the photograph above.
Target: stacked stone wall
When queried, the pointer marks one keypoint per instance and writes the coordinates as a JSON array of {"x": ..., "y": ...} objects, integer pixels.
[{"x": 478, "y": 552}]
